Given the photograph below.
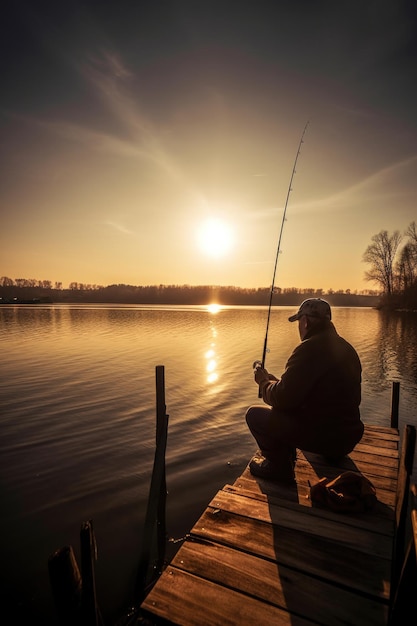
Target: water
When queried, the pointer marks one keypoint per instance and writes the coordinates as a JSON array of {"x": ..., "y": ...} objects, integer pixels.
[{"x": 77, "y": 397}]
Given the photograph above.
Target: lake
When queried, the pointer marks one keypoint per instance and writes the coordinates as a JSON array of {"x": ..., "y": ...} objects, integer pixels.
[{"x": 78, "y": 423}]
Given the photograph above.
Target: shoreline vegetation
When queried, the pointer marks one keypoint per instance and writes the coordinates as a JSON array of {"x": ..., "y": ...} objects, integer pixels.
[
  {"x": 179, "y": 294},
  {"x": 24, "y": 291}
]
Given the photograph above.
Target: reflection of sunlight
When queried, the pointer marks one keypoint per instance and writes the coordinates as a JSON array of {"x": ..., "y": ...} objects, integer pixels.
[
  {"x": 211, "y": 365},
  {"x": 213, "y": 308},
  {"x": 210, "y": 355}
]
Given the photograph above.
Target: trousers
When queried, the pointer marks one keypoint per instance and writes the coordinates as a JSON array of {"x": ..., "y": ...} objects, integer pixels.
[{"x": 279, "y": 434}]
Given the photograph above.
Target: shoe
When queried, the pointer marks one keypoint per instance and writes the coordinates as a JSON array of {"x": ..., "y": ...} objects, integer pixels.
[{"x": 264, "y": 468}]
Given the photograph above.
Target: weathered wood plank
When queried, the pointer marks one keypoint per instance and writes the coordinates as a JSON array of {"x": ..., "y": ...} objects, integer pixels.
[
  {"x": 182, "y": 598},
  {"x": 300, "y": 495},
  {"x": 372, "y": 467},
  {"x": 306, "y": 477},
  {"x": 390, "y": 435},
  {"x": 385, "y": 486},
  {"x": 387, "y": 482},
  {"x": 303, "y": 520},
  {"x": 375, "y": 449},
  {"x": 279, "y": 585},
  {"x": 356, "y": 459},
  {"x": 388, "y": 430},
  {"x": 315, "y": 555},
  {"x": 384, "y": 523},
  {"x": 382, "y": 441}
]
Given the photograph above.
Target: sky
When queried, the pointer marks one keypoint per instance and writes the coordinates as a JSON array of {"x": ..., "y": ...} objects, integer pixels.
[{"x": 153, "y": 141}]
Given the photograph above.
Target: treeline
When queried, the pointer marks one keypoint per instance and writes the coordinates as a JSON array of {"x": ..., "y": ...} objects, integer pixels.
[
  {"x": 43, "y": 291},
  {"x": 394, "y": 267}
]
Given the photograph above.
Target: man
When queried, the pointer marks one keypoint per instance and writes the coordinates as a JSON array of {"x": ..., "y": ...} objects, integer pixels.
[{"x": 314, "y": 406}]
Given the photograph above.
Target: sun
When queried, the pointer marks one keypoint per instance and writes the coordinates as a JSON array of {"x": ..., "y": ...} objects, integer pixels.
[{"x": 215, "y": 237}]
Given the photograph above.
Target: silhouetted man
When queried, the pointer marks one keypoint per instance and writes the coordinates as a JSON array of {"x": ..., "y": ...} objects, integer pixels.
[{"x": 314, "y": 406}]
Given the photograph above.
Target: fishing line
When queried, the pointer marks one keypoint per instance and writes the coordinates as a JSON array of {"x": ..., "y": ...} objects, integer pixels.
[{"x": 265, "y": 348}]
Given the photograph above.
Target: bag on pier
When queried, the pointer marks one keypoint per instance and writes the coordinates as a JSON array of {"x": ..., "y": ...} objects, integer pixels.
[{"x": 350, "y": 492}]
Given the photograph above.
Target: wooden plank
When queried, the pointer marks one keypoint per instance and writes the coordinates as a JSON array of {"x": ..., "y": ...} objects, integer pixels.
[
  {"x": 302, "y": 492},
  {"x": 281, "y": 586},
  {"x": 388, "y": 430},
  {"x": 356, "y": 459},
  {"x": 373, "y": 468},
  {"x": 182, "y": 598},
  {"x": 385, "y": 515},
  {"x": 387, "y": 482},
  {"x": 303, "y": 520},
  {"x": 306, "y": 476},
  {"x": 374, "y": 449},
  {"x": 315, "y": 555},
  {"x": 385, "y": 485},
  {"x": 384, "y": 440}
]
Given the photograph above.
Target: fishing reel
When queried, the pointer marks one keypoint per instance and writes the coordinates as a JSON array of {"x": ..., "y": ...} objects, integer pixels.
[{"x": 257, "y": 365}]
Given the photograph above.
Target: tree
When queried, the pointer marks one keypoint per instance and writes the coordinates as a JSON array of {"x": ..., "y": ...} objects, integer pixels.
[
  {"x": 380, "y": 254},
  {"x": 406, "y": 268},
  {"x": 5, "y": 281}
]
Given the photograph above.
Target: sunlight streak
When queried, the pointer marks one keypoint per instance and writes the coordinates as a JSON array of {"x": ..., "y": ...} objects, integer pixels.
[{"x": 214, "y": 308}]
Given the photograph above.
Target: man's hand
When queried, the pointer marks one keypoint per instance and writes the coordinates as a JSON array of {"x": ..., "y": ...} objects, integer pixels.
[{"x": 262, "y": 375}]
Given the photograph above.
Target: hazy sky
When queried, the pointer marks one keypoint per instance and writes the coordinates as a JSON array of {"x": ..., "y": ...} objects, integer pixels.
[{"x": 136, "y": 132}]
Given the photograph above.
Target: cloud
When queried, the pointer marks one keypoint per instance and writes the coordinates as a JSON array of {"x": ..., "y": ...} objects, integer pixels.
[
  {"x": 392, "y": 181},
  {"x": 119, "y": 227},
  {"x": 94, "y": 139}
]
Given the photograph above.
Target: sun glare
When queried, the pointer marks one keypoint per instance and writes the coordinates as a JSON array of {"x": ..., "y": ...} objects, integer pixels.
[
  {"x": 215, "y": 237},
  {"x": 213, "y": 308}
]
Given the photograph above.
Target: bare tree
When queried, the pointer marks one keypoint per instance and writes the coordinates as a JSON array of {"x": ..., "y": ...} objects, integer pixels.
[
  {"x": 411, "y": 233},
  {"x": 405, "y": 268},
  {"x": 407, "y": 265},
  {"x": 380, "y": 254},
  {"x": 5, "y": 281}
]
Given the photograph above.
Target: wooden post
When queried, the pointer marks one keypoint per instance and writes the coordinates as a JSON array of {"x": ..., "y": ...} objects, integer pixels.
[
  {"x": 65, "y": 579},
  {"x": 88, "y": 557},
  {"x": 161, "y": 443},
  {"x": 154, "y": 536},
  {"x": 405, "y": 471},
  {"x": 403, "y": 593},
  {"x": 395, "y": 401}
]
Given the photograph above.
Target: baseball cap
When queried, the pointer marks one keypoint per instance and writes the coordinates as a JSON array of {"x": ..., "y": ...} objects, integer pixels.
[{"x": 314, "y": 307}]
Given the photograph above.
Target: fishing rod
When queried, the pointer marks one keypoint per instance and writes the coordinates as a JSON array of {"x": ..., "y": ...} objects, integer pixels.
[{"x": 265, "y": 348}]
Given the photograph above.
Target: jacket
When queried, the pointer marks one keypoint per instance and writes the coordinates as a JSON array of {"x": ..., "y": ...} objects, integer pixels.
[{"x": 321, "y": 382}]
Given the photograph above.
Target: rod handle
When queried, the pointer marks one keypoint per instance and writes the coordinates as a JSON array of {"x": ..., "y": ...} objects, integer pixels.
[{"x": 255, "y": 366}]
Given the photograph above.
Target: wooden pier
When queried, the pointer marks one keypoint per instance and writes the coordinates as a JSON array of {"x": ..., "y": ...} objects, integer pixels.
[{"x": 261, "y": 553}]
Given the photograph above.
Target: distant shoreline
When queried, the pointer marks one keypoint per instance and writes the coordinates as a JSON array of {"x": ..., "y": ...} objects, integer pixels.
[
  {"x": 335, "y": 300},
  {"x": 196, "y": 295}
]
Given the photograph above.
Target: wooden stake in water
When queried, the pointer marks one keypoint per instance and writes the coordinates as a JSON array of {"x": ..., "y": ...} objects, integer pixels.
[{"x": 154, "y": 537}]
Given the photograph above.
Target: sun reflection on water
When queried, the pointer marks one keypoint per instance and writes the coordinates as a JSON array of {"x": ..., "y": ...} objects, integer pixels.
[
  {"x": 213, "y": 308},
  {"x": 211, "y": 365}
]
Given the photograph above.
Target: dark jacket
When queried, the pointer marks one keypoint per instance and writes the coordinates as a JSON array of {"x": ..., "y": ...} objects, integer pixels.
[{"x": 321, "y": 387}]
